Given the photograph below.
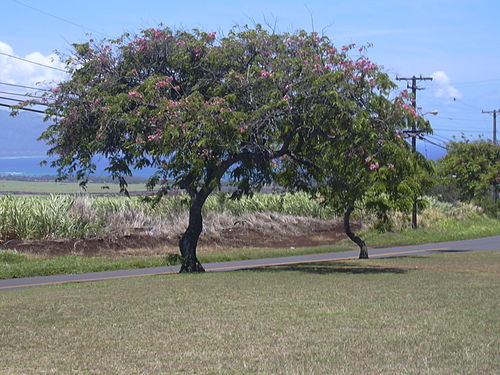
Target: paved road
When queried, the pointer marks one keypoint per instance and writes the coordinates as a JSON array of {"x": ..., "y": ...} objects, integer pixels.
[{"x": 489, "y": 243}]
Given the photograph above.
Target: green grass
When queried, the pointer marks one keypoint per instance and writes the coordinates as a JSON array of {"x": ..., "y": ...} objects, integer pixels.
[
  {"x": 44, "y": 187},
  {"x": 417, "y": 315},
  {"x": 448, "y": 229},
  {"x": 16, "y": 265}
]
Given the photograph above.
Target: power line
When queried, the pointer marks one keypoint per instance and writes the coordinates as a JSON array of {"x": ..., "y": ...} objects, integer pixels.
[
  {"x": 23, "y": 109},
  {"x": 17, "y": 100},
  {"x": 455, "y": 119},
  {"x": 58, "y": 17},
  {"x": 430, "y": 142},
  {"x": 33, "y": 62},
  {"x": 466, "y": 104},
  {"x": 19, "y": 94},
  {"x": 483, "y": 81},
  {"x": 444, "y": 139},
  {"x": 435, "y": 139},
  {"x": 26, "y": 87},
  {"x": 460, "y": 130}
]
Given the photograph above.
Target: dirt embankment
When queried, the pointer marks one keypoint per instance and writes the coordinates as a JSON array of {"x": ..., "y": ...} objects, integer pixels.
[{"x": 140, "y": 243}]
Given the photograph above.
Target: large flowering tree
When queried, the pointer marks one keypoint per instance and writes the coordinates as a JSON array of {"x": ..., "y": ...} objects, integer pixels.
[{"x": 198, "y": 108}]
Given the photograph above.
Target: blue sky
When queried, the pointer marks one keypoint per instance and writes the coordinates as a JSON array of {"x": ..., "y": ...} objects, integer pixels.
[{"x": 456, "y": 42}]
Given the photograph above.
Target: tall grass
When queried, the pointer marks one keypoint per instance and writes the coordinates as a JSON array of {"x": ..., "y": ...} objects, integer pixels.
[
  {"x": 83, "y": 216},
  {"x": 79, "y": 216}
]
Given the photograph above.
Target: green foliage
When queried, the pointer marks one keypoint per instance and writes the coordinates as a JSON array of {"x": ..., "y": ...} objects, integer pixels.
[
  {"x": 11, "y": 256},
  {"x": 472, "y": 168}
]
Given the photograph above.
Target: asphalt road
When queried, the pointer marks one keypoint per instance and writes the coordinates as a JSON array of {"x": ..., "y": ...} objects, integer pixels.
[{"x": 488, "y": 243}]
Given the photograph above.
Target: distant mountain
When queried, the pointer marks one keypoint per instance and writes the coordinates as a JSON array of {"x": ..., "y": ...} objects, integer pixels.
[
  {"x": 18, "y": 137},
  {"x": 18, "y": 134}
]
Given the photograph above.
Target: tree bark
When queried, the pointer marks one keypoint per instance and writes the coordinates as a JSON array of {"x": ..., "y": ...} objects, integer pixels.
[
  {"x": 189, "y": 239},
  {"x": 363, "y": 251}
]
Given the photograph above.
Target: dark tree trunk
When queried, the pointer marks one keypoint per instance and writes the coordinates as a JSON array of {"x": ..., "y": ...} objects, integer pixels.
[
  {"x": 189, "y": 239},
  {"x": 363, "y": 251}
]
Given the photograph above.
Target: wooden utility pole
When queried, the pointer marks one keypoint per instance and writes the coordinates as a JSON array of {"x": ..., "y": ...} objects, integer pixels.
[
  {"x": 495, "y": 111},
  {"x": 414, "y": 132}
]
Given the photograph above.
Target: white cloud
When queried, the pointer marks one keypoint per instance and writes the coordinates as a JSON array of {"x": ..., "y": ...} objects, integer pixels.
[
  {"x": 442, "y": 86},
  {"x": 24, "y": 73}
]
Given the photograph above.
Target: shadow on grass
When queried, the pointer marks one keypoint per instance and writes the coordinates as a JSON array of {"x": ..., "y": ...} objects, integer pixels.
[{"x": 331, "y": 268}]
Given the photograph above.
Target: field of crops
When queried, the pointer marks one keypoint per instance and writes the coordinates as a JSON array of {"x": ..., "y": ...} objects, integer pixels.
[{"x": 83, "y": 216}]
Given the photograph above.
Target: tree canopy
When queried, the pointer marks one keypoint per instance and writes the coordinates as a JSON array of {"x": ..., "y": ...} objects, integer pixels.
[
  {"x": 247, "y": 106},
  {"x": 472, "y": 167}
]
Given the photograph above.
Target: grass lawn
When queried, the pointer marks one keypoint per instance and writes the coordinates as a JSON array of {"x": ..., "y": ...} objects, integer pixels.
[{"x": 415, "y": 315}]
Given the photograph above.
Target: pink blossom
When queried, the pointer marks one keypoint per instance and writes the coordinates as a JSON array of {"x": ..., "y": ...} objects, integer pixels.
[
  {"x": 211, "y": 36},
  {"x": 138, "y": 140},
  {"x": 374, "y": 166},
  {"x": 135, "y": 94},
  {"x": 390, "y": 166},
  {"x": 177, "y": 88},
  {"x": 181, "y": 43},
  {"x": 197, "y": 52},
  {"x": 244, "y": 128},
  {"x": 286, "y": 98},
  {"x": 368, "y": 159},
  {"x": 56, "y": 89},
  {"x": 162, "y": 83},
  {"x": 265, "y": 73}
]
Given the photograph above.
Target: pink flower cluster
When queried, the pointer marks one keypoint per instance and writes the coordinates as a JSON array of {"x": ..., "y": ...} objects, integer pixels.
[
  {"x": 211, "y": 36},
  {"x": 167, "y": 81},
  {"x": 265, "y": 73},
  {"x": 374, "y": 166},
  {"x": 155, "y": 136},
  {"x": 159, "y": 34},
  {"x": 135, "y": 94},
  {"x": 365, "y": 65}
]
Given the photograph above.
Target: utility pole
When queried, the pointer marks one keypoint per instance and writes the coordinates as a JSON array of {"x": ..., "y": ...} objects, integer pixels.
[
  {"x": 414, "y": 132},
  {"x": 495, "y": 111}
]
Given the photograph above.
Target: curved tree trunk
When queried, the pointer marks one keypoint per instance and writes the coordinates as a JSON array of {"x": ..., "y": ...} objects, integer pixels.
[
  {"x": 189, "y": 239},
  {"x": 363, "y": 251}
]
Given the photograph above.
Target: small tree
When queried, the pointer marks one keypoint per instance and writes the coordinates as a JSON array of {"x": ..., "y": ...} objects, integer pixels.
[
  {"x": 197, "y": 109},
  {"x": 471, "y": 167},
  {"x": 356, "y": 157}
]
